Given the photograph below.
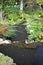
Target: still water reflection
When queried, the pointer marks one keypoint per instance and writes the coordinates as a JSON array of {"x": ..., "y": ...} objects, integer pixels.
[
  {"x": 24, "y": 56},
  {"x": 39, "y": 55}
]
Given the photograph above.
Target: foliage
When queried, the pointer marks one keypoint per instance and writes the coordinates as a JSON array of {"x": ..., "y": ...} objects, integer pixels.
[
  {"x": 39, "y": 1},
  {"x": 11, "y": 8},
  {"x": 32, "y": 18},
  {"x": 0, "y": 6},
  {"x": 10, "y": 30},
  {"x": 12, "y": 17},
  {"x": 33, "y": 11},
  {"x": 9, "y": 2},
  {"x": 33, "y": 29}
]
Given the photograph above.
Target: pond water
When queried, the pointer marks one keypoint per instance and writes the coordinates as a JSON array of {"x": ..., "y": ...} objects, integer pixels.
[
  {"x": 24, "y": 56},
  {"x": 39, "y": 55}
]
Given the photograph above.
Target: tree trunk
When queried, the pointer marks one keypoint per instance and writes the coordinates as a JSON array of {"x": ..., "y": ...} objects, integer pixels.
[
  {"x": 0, "y": 14},
  {"x": 21, "y": 5}
]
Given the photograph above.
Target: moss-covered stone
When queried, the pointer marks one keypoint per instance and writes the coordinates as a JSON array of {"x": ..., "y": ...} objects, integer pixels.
[{"x": 5, "y": 60}]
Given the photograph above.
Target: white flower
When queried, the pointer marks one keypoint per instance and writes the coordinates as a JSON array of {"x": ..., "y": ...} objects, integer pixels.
[{"x": 31, "y": 31}]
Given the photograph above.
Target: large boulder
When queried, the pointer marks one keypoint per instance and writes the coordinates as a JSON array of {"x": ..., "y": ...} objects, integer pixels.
[
  {"x": 17, "y": 33},
  {"x": 5, "y": 60}
]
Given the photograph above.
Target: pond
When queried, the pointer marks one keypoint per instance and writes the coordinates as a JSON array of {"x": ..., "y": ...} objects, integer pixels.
[{"x": 24, "y": 56}]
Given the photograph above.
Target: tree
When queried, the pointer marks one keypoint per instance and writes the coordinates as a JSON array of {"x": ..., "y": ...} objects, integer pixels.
[{"x": 21, "y": 5}]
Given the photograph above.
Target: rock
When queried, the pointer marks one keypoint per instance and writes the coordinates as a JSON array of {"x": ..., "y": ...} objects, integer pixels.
[
  {"x": 18, "y": 42},
  {"x": 13, "y": 64},
  {"x": 1, "y": 54},
  {"x": 29, "y": 41},
  {"x": 32, "y": 41},
  {"x": 1, "y": 40},
  {"x": 14, "y": 42},
  {"x": 5, "y": 60},
  {"x": 34, "y": 5},
  {"x": 41, "y": 41},
  {"x": 40, "y": 6},
  {"x": 26, "y": 42},
  {"x": 4, "y": 41},
  {"x": 30, "y": 5},
  {"x": 7, "y": 42},
  {"x": 18, "y": 33}
]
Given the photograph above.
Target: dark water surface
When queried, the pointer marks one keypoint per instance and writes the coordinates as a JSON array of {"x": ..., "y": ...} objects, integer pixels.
[
  {"x": 39, "y": 55},
  {"x": 24, "y": 56}
]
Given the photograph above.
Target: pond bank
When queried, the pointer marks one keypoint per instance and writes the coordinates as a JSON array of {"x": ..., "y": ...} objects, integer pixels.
[{"x": 22, "y": 44}]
